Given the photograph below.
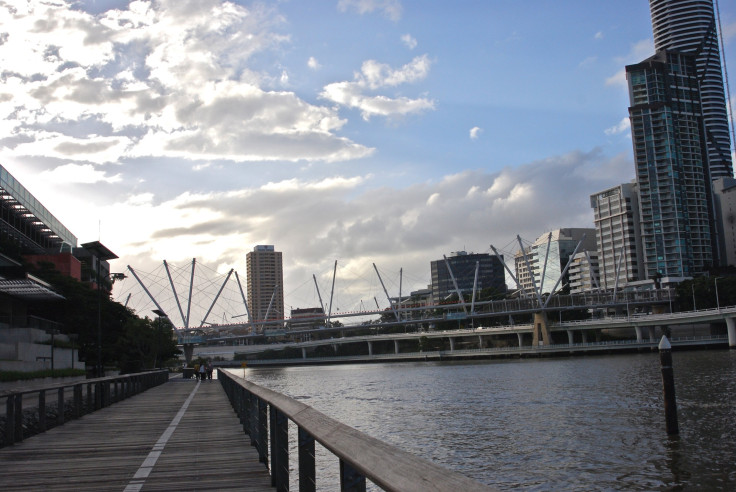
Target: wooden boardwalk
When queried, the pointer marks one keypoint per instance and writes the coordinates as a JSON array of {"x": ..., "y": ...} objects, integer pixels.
[{"x": 182, "y": 435}]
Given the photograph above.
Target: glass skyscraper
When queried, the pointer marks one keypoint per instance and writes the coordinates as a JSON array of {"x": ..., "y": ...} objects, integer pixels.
[
  {"x": 670, "y": 156},
  {"x": 689, "y": 26}
]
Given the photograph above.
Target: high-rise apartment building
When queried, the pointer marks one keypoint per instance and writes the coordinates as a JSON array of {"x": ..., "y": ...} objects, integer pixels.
[
  {"x": 671, "y": 165},
  {"x": 583, "y": 273},
  {"x": 490, "y": 274},
  {"x": 265, "y": 283},
  {"x": 618, "y": 239},
  {"x": 689, "y": 26}
]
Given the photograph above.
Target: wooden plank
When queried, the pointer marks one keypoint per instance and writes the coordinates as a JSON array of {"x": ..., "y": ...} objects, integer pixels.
[{"x": 104, "y": 450}]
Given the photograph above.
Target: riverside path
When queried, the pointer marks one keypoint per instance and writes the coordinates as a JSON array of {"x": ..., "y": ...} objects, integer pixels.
[{"x": 181, "y": 435}]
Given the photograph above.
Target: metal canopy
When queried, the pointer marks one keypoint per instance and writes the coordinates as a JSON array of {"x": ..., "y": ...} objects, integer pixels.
[{"x": 29, "y": 289}]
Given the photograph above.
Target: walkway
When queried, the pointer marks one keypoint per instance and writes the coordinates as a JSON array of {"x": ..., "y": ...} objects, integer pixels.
[{"x": 182, "y": 435}]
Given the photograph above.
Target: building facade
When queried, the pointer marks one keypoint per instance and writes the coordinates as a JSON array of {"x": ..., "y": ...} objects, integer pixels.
[
  {"x": 463, "y": 264},
  {"x": 690, "y": 26},
  {"x": 547, "y": 258},
  {"x": 671, "y": 165},
  {"x": 618, "y": 238},
  {"x": 265, "y": 283},
  {"x": 724, "y": 194},
  {"x": 584, "y": 275}
]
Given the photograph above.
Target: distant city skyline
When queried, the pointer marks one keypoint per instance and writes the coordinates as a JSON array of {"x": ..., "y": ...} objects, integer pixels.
[{"x": 388, "y": 132}]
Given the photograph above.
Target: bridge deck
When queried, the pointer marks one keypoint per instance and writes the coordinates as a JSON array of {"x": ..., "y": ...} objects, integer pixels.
[{"x": 201, "y": 442}]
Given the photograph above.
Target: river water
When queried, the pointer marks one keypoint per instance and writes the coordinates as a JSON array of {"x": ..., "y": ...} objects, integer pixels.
[{"x": 581, "y": 423}]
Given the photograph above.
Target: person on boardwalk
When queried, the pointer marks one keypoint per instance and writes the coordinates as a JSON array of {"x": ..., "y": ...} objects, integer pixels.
[
  {"x": 209, "y": 370},
  {"x": 196, "y": 371},
  {"x": 202, "y": 371}
]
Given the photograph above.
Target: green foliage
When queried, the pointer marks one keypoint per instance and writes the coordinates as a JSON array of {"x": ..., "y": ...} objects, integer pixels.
[
  {"x": 129, "y": 342},
  {"x": 702, "y": 290}
]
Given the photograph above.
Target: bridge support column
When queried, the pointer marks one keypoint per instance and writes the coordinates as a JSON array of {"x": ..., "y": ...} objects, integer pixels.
[
  {"x": 480, "y": 342},
  {"x": 370, "y": 348},
  {"x": 521, "y": 339},
  {"x": 585, "y": 336},
  {"x": 304, "y": 353},
  {"x": 570, "y": 337},
  {"x": 452, "y": 344},
  {"x": 334, "y": 347},
  {"x": 396, "y": 346},
  {"x": 652, "y": 333},
  {"x": 540, "y": 330},
  {"x": 731, "y": 328},
  {"x": 188, "y": 352},
  {"x": 638, "y": 333}
]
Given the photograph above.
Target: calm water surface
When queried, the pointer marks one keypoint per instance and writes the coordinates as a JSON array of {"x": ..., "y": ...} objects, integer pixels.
[{"x": 586, "y": 423}]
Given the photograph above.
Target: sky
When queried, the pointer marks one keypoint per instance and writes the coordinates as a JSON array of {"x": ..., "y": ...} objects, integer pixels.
[{"x": 386, "y": 132}]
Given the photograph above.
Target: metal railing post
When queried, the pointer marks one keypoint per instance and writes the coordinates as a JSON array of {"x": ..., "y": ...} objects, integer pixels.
[
  {"x": 307, "y": 473},
  {"x": 262, "y": 438},
  {"x": 60, "y": 406},
  {"x": 10, "y": 419},
  {"x": 350, "y": 479},
  {"x": 279, "y": 450},
  {"x": 42, "y": 411}
]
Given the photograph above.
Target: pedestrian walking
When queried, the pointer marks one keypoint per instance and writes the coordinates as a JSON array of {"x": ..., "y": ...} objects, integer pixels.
[{"x": 202, "y": 371}]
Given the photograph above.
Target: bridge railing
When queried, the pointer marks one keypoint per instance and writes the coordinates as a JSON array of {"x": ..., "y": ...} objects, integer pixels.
[
  {"x": 29, "y": 411},
  {"x": 265, "y": 414}
]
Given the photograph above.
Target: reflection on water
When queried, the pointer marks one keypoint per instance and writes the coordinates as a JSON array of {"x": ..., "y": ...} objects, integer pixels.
[{"x": 586, "y": 423}]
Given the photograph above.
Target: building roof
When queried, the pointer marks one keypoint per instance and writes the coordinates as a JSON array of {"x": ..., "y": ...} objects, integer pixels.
[{"x": 99, "y": 250}]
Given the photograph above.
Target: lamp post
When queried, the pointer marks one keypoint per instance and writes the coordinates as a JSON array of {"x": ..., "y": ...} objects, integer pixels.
[
  {"x": 157, "y": 360},
  {"x": 692, "y": 286}
]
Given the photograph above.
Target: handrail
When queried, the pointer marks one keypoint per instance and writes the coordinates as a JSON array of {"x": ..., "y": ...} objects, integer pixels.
[
  {"x": 101, "y": 392},
  {"x": 265, "y": 415}
]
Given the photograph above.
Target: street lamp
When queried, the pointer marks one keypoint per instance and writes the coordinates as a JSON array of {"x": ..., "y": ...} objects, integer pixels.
[
  {"x": 692, "y": 286},
  {"x": 160, "y": 315}
]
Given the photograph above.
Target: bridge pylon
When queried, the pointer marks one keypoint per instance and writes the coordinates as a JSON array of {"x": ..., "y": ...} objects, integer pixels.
[{"x": 540, "y": 332}]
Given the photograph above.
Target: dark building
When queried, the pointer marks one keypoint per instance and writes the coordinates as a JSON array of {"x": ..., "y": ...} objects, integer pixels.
[{"x": 490, "y": 274}]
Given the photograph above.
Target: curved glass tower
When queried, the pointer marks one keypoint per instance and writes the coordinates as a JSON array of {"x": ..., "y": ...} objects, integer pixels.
[{"x": 690, "y": 26}]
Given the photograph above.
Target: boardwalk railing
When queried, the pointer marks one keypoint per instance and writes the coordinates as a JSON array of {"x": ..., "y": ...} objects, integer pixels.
[
  {"x": 265, "y": 414},
  {"x": 66, "y": 401}
]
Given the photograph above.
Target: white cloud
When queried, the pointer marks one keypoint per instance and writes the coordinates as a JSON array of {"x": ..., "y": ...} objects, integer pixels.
[
  {"x": 639, "y": 51},
  {"x": 75, "y": 173},
  {"x": 390, "y": 8},
  {"x": 623, "y": 126},
  {"x": 729, "y": 31},
  {"x": 598, "y": 35},
  {"x": 163, "y": 78},
  {"x": 409, "y": 41},
  {"x": 313, "y": 63},
  {"x": 588, "y": 61},
  {"x": 475, "y": 132},
  {"x": 374, "y": 76}
]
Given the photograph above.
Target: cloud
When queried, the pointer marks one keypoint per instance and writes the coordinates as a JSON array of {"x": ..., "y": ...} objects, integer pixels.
[
  {"x": 598, "y": 35},
  {"x": 475, "y": 132},
  {"x": 623, "y": 126},
  {"x": 409, "y": 41},
  {"x": 414, "y": 225},
  {"x": 588, "y": 61},
  {"x": 390, "y": 8},
  {"x": 729, "y": 31},
  {"x": 75, "y": 173},
  {"x": 163, "y": 79},
  {"x": 313, "y": 63},
  {"x": 374, "y": 76},
  {"x": 639, "y": 51}
]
